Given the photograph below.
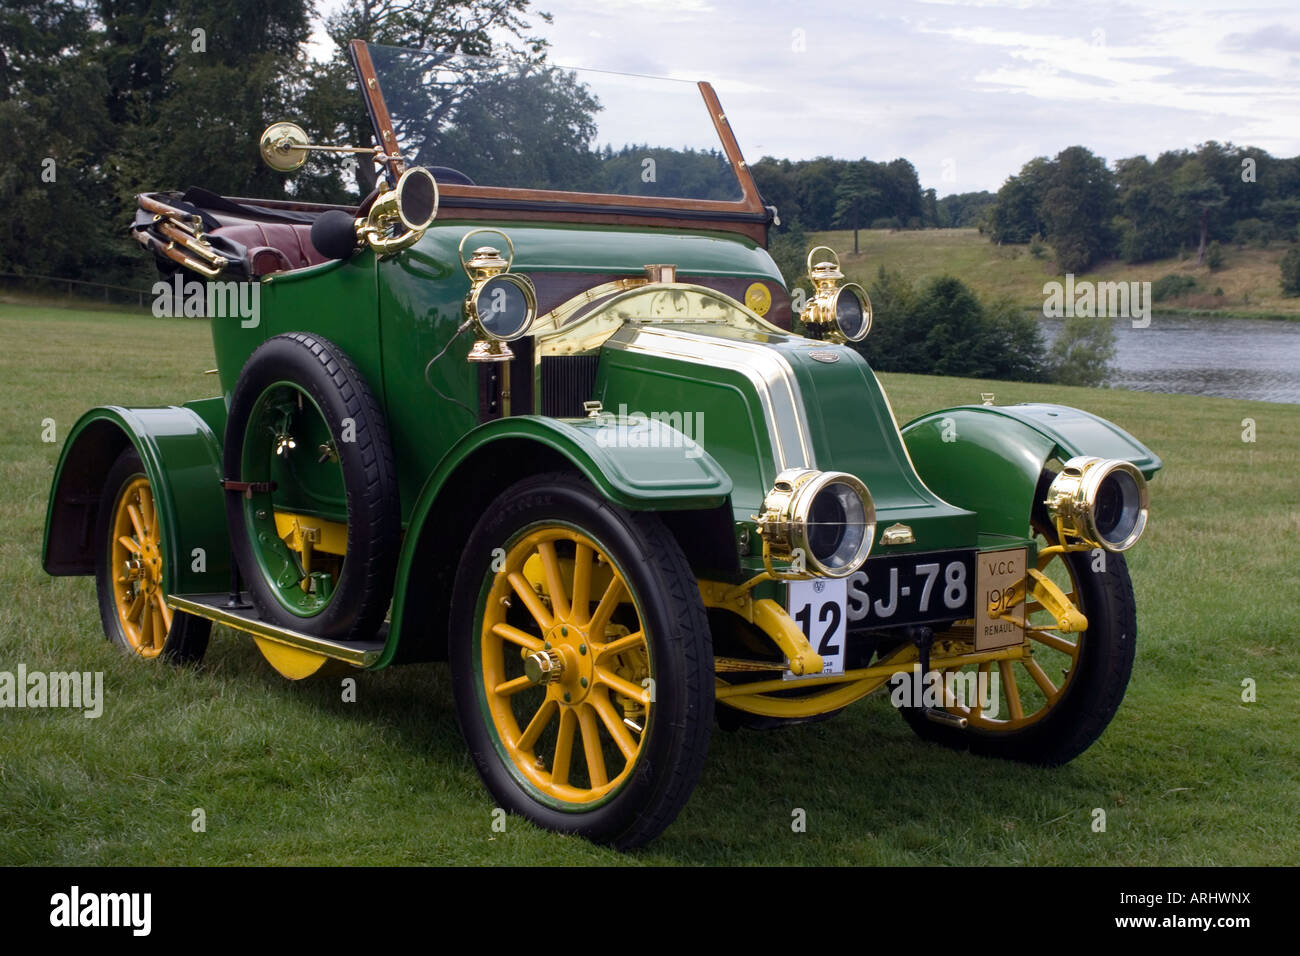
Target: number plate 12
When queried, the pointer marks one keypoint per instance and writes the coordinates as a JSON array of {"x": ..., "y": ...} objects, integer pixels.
[{"x": 817, "y": 606}]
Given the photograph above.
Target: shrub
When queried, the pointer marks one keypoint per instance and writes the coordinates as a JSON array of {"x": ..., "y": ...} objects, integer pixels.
[
  {"x": 943, "y": 329},
  {"x": 1037, "y": 248},
  {"x": 1082, "y": 353},
  {"x": 1171, "y": 286},
  {"x": 1254, "y": 232},
  {"x": 1214, "y": 256},
  {"x": 891, "y": 222},
  {"x": 1291, "y": 273}
]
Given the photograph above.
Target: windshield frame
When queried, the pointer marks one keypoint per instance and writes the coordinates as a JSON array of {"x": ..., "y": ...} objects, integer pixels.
[{"x": 746, "y": 215}]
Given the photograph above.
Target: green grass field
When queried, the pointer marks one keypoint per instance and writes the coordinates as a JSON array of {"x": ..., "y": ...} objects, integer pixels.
[
  {"x": 288, "y": 773},
  {"x": 1249, "y": 278}
]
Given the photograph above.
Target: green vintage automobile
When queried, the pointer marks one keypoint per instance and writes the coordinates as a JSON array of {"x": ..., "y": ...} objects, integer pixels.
[{"x": 534, "y": 407}]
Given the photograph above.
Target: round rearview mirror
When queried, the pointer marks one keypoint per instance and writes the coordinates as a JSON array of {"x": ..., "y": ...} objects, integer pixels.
[
  {"x": 505, "y": 306},
  {"x": 853, "y": 312},
  {"x": 284, "y": 146},
  {"x": 417, "y": 198}
]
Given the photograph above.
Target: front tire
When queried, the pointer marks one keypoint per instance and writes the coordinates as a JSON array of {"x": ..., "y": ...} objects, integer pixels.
[
  {"x": 609, "y": 743},
  {"x": 1053, "y": 707}
]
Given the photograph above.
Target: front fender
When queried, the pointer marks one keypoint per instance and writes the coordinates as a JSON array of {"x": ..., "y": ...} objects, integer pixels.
[
  {"x": 182, "y": 459},
  {"x": 988, "y": 458},
  {"x": 642, "y": 466}
]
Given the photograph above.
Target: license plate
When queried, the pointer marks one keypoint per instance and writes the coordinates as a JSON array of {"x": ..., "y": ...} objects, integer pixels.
[
  {"x": 912, "y": 589},
  {"x": 818, "y": 607},
  {"x": 998, "y": 574}
]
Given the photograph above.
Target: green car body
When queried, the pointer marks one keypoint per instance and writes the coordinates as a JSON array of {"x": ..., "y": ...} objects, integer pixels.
[{"x": 693, "y": 418}]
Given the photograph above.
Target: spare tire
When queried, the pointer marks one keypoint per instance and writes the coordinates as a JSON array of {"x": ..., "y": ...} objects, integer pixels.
[{"x": 309, "y": 466}]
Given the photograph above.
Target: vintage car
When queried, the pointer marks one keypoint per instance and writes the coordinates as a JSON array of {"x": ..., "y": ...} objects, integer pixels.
[{"x": 534, "y": 407}]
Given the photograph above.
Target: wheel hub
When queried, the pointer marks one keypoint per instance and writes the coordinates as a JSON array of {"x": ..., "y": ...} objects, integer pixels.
[{"x": 564, "y": 665}]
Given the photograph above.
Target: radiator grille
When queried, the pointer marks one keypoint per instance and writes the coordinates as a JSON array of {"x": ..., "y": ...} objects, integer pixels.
[{"x": 567, "y": 382}]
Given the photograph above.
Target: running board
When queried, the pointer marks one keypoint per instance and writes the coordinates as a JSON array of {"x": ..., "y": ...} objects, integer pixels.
[{"x": 215, "y": 607}]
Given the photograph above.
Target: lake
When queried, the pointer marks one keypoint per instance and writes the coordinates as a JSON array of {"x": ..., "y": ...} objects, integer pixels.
[{"x": 1255, "y": 359}]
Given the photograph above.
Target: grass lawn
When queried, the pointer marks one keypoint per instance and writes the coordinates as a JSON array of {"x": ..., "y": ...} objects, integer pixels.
[
  {"x": 1249, "y": 278},
  {"x": 288, "y": 773}
]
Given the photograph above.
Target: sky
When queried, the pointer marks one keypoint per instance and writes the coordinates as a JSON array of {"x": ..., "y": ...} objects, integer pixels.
[{"x": 967, "y": 90}]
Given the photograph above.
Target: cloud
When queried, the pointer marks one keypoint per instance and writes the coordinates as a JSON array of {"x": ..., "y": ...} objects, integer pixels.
[
  {"x": 1273, "y": 37},
  {"x": 979, "y": 86}
]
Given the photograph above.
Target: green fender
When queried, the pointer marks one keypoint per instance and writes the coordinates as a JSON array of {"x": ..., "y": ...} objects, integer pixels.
[
  {"x": 988, "y": 458},
  {"x": 182, "y": 459},
  {"x": 639, "y": 465}
]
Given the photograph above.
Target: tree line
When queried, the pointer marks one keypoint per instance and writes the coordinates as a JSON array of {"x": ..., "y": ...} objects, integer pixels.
[
  {"x": 1139, "y": 210},
  {"x": 825, "y": 193},
  {"x": 103, "y": 99}
]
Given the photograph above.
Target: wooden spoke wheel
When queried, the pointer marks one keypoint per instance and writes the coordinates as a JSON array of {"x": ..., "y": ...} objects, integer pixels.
[
  {"x": 567, "y": 686},
  {"x": 582, "y": 662},
  {"x": 129, "y": 571},
  {"x": 1051, "y": 706}
]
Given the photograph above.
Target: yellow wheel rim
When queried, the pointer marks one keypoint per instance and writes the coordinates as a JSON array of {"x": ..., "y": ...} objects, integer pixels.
[
  {"x": 136, "y": 566},
  {"x": 574, "y": 736},
  {"x": 1028, "y": 689}
]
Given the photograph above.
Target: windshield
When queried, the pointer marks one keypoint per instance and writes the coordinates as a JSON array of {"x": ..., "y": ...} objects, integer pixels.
[{"x": 536, "y": 126}]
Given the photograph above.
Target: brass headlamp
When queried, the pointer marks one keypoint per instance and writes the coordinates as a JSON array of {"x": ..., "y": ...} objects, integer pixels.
[
  {"x": 827, "y": 518},
  {"x": 1101, "y": 501},
  {"x": 500, "y": 305},
  {"x": 838, "y": 313}
]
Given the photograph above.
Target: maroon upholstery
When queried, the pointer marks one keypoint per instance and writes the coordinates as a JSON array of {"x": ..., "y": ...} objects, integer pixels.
[{"x": 292, "y": 242}]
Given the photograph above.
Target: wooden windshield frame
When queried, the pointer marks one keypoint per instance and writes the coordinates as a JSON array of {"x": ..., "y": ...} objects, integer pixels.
[{"x": 746, "y": 215}]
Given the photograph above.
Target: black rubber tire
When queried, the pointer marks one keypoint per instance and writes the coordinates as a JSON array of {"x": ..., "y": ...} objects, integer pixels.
[
  {"x": 187, "y": 638},
  {"x": 681, "y": 721},
  {"x": 324, "y": 371},
  {"x": 1095, "y": 691}
]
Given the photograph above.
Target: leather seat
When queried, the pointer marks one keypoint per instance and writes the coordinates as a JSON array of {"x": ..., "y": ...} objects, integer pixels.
[{"x": 272, "y": 246}]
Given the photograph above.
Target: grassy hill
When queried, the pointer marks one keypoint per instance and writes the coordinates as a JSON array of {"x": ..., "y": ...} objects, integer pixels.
[
  {"x": 288, "y": 773},
  {"x": 1249, "y": 277}
]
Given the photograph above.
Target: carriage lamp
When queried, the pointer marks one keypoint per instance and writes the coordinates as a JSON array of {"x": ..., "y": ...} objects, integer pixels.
[
  {"x": 1103, "y": 501},
  {"x": 827, "y": 517},
  {"x": 500, "y": 305},
  {"x": 838, "y": 313}
]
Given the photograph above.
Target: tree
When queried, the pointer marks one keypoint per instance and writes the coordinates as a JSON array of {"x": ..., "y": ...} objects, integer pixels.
[
  {"x": 854, "y": 198},
  {"x": 1016, "y": 214},
  {"x": 1148, "y": 225},
  {"x": 1082, "y": 352},
  {"x": 1291, "y": 273},
  {"x": 56, "y": 128},
  {"x": 1077, "y": 208},
  {"x": 472, "y": 27},
  {"x": 1199, "y": 194}
]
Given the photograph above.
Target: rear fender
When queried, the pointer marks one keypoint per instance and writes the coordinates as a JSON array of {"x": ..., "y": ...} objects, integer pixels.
[{"x": 182, "y": 459}]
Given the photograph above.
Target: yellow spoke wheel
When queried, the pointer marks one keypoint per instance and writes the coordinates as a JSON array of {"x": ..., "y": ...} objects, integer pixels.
[
  {"x": 567, "y": 688},
  {"x": 1004, "y": 696},
  {"x": 1050, "y": 706},
  {"x": 142, "y": 610},
  {"x": 582, "y": 663},
  {"x": 130, "y": 571}
]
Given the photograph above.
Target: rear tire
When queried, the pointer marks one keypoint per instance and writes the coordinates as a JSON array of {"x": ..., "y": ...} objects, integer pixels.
[{"x": 128, "y": 576}]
